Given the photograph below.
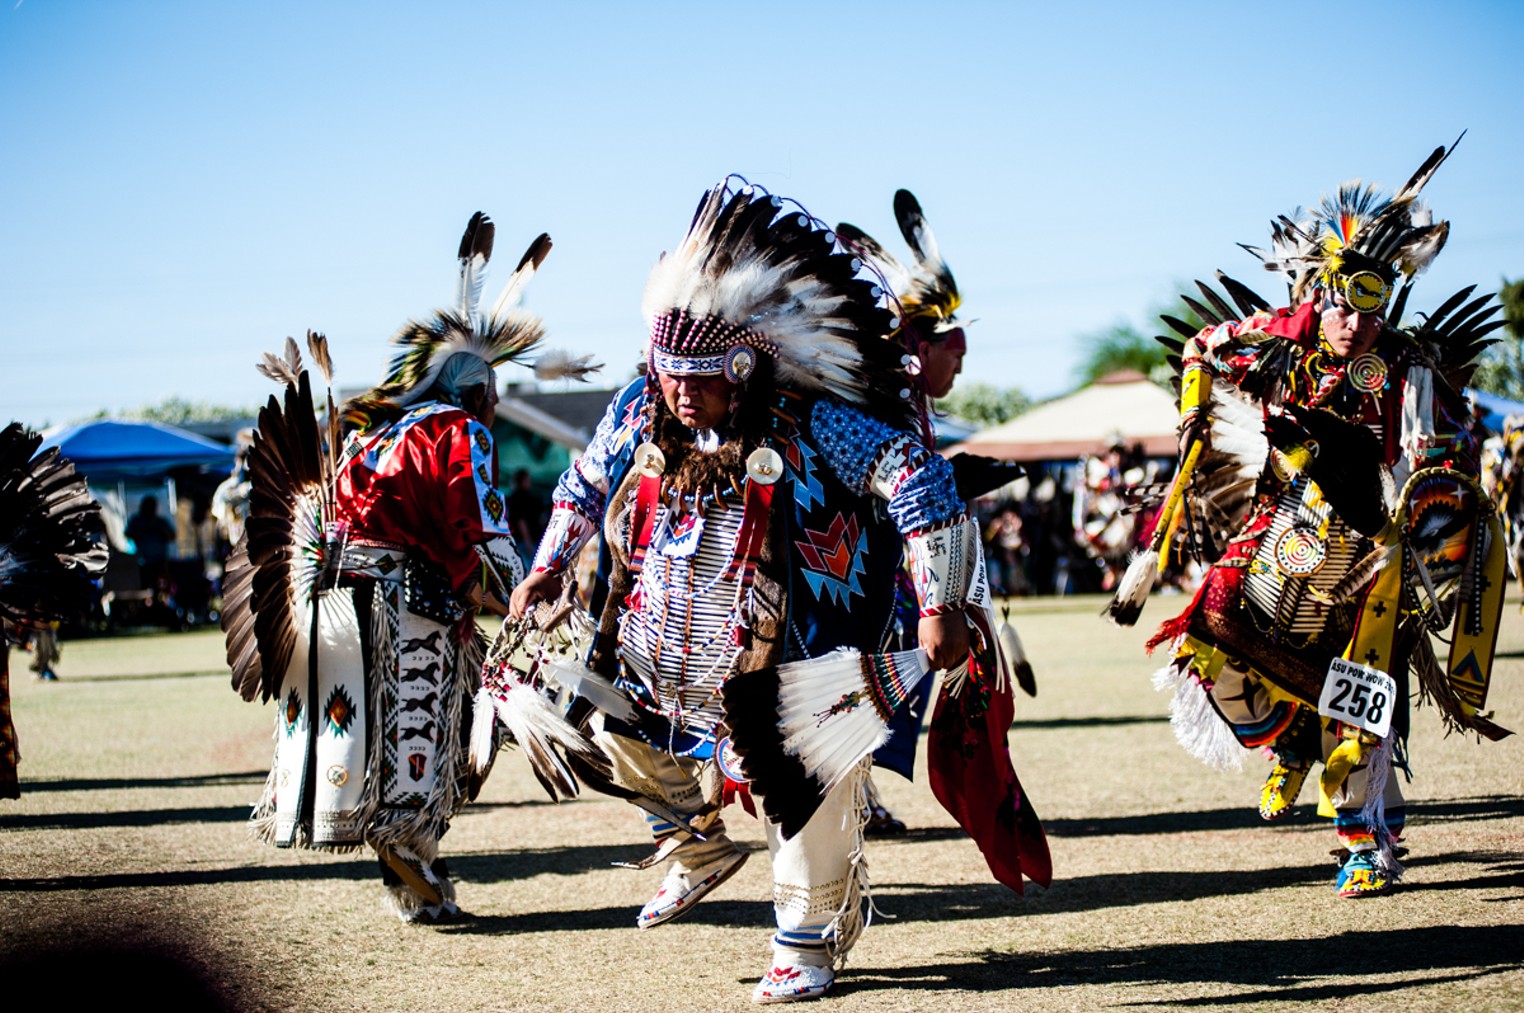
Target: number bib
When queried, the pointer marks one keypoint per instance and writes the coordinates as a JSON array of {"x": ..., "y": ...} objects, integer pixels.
[{"x": 1358, "y": 695}]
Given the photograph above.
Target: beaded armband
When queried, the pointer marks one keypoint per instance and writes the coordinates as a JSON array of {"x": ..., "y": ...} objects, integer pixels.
[
  {"x": 945, "y": 566},
  {"x": 500, "y": 558},
  {"x": 896, "y": 461},
  {"x": 564, "y": 537}
]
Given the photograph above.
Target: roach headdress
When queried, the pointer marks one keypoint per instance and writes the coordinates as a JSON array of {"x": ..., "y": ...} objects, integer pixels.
[
  {"x": 1359, "y": 241},
  {"x": 505, "y": 333},
  {"x": 758, "y": 275},
  {"x": 926, "y": 291}
]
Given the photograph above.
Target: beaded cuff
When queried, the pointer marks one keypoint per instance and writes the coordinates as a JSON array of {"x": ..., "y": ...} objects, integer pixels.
[
  {"x": 945, "y": 565},
  {"x": 564, "y": 537}
]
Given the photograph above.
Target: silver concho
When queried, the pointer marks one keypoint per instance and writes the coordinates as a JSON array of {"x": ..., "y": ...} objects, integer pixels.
[
  {"x": 649, "y": 460},
  {"x": 1300, "y": 552},
  {"x": 764, "y": 466}
]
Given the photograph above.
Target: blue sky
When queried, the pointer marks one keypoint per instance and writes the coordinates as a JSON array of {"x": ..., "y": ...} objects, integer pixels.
[{"x": 184, "y": 184}]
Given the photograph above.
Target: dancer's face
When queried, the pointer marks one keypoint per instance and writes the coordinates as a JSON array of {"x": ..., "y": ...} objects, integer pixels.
[
  {"x": 483, "y": 405},
  {"x": 697, "y": 401},
  {"x": 1348, "y": 332},
  {"x": 941, "y": 362}
]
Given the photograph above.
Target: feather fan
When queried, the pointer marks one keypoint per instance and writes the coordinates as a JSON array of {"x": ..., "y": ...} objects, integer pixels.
[{"x": 834, "y": 710}]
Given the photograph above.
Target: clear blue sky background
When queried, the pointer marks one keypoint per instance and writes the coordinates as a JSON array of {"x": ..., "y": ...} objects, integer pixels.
[{"x": 184, "y": 184}]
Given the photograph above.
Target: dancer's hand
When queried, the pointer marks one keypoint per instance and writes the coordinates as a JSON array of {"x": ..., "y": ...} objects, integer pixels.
[
  {"x": 944, "y": 638},
  {"x": 536, "y": 587}
]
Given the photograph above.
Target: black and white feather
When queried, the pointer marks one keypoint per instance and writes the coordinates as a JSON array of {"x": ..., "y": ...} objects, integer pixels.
[{"x": 925, "y": 288}]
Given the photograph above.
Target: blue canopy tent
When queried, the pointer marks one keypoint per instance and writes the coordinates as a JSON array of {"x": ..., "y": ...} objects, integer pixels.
[
  {"x": 111, "y": 451},
  {"x": 1495, "y": 408}
]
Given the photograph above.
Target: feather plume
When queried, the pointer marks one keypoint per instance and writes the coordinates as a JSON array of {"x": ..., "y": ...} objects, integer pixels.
[
  {"x": 1359, "y": 575},
  {"x": 317, "y": 344},
  {"x": 283, "y": 557},
  {"x": 896, "y": 274},
  {"x": 932, "y": 289},
  {"x": 1132, "y": 592},
  {"x": 423, "y": 346},
  {"x": 563, "y": 365},
  {"x": 543, "y": 734},
  {"x": 513, "y": 288},
  {"x": 1014, "y": 655},
  {"x": 51, "y": 534},
  {"x": 282, "y": 370},
  {"x": 483, "y": 746},
  {"x": 578, "y": 679},
  {"x": 760, "y": 265}
]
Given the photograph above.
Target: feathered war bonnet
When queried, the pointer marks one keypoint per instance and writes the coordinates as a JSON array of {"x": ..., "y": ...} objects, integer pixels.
[
  {"x": 927, "y": 294},
  {"x": 1360, "y": 242},
  {"x": 757, "y": 275},
  {"x": 460, "y": 346}
]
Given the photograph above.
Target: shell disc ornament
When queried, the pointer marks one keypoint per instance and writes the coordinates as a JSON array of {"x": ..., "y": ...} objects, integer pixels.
[
  {"x": 1300, "y": 552},
  {"x": 1367, "y": 373},
  {"x": 649, "y": 460},
  {"x": 764, "y": 466}
]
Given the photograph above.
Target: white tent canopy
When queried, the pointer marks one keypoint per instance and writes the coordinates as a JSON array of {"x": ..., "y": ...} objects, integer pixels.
[{"x": 1124, "y": 404}]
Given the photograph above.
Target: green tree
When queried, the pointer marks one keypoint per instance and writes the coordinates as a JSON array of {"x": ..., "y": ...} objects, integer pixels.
[
  {"x": 1501, "y": 370},
  {"x": 984, "y": 404},
  {"x": 1124, "y": 346},
  {"x": 177, "y": 411}
]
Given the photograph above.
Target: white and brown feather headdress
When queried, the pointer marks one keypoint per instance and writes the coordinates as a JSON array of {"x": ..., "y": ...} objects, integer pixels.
[{"x": 756, "y": 274}]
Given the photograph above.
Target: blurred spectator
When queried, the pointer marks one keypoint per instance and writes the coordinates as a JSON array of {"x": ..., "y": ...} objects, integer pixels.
[
  {"x": 151, "y": 537},
  {"x": 526, "y": 513},
  {"x": 1007, "y": 540}
]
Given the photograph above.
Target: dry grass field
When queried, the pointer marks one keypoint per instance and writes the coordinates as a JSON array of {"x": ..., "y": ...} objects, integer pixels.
[{"x": 126, "y": 858}]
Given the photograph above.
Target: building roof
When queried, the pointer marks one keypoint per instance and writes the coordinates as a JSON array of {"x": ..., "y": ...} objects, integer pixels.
[{"x": 1125, "y": 403}]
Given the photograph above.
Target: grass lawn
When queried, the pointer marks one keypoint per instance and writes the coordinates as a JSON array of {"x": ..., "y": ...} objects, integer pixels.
[{"x": 139, "y": 766}]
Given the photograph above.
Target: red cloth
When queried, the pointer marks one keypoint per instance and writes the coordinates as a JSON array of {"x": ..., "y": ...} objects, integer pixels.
[
  {"x": 972, "y": 777},
  {"x": 428, "y": 482}
]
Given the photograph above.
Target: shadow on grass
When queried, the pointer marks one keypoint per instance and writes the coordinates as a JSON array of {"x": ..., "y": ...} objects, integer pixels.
[
  {"x": 119, "y": 783},
  {"x": 144, "y": 676},
  {"x": 496, "y": 867},
  {"x": 171, "y": 817},
  {"x": 126, "y": 818},
  {"x": 1275, "y": 970},
  {"x": 1091, "y": 722},
  {"x": 1480, "y": 808}
]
